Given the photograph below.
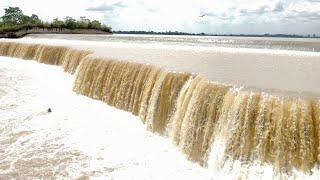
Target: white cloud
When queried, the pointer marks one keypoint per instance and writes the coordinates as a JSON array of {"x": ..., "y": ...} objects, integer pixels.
[
  {"x": 50, "y": 9},
  {"x": 3, "y": 4},
  {"x": 106, "y": 7},
  {"x": 228, "y": 16}
]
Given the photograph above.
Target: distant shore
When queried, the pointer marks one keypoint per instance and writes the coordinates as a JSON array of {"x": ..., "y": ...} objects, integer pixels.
[
  {"x": 206, "y": 34},
  {"x": 36, "y": 30}
]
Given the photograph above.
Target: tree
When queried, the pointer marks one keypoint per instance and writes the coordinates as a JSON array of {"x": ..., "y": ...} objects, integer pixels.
[
  {"x": 57, "y": 23},
  {"x": 83, "y": 23},
  {"x": 13, "y": 16},
  {"x": 14, "y": 20},
  {"x": 96, "y": 24},
  {"x": 46, "y": 25},
  {"x": 25, "y": 20},
  {"x": 105, "y": 28},
  {"x": 34, "y": 19},
  {"x": 70, "y": 22}
]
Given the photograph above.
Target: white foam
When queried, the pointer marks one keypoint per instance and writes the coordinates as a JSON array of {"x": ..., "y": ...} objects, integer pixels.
[{"x": 80, "y": 138}]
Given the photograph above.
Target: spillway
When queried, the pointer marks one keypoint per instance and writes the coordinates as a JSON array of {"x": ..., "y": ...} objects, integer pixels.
[{"x": 214, "y": 124}]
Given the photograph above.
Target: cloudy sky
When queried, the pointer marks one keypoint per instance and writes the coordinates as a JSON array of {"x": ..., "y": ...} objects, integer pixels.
[{"x": 210, "y": 16}]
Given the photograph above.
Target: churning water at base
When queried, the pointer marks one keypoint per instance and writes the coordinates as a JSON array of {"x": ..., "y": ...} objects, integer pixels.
[
  {"x": 81, "y": 138},
  {"x": 231, "y": 131}
]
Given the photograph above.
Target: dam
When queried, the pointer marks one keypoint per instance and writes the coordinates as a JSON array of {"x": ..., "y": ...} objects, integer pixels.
[{"x": 230, "y": 110}]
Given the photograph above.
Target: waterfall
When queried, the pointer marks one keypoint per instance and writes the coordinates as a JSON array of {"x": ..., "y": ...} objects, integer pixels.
[
  {"x": 66, "y": 57},
  {"x": 198, "y": 115}
]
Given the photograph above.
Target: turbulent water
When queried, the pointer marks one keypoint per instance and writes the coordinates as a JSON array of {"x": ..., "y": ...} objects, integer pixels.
[
  {"x": 215, "y": 125},
  {"x": 81, "y": 138}
]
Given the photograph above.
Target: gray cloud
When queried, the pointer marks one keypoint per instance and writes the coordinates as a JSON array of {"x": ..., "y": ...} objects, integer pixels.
[
  {"x": 152, "y": 10},
  {"x": 221, "y": 16},
  {"x": 303, "y": 16},
  {"x": 119, "y": 4},
  {"x": 210, "y": 14},
  {"x": 102, "y": 7},
  {"x": 279, "y": 7},
  {"x": 105, "y": 7}
]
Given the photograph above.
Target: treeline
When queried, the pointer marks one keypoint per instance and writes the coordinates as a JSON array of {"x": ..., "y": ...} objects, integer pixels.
[
  {"x": 14, "y": 20},
  {"x": 204, "y": 34},
  {"x": 159, "y": 33}
]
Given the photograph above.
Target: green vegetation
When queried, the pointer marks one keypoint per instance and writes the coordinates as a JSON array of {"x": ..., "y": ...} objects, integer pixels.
[{"x": 14, "y": 20}]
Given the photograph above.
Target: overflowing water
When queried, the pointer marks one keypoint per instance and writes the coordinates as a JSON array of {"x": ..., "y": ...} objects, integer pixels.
[
  {"x": 294, "y": 72},
  {"x": 229, "y": 130},
  {"x": 281, "y": 131}
]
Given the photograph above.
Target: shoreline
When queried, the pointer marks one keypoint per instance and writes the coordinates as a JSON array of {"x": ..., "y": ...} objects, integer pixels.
[{"x": 172, "y": 33}]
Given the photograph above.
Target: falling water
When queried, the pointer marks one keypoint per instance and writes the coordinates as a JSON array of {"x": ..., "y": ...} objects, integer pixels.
[
  {"x": 68, "y": 58},
  {"x": 201, "y": 117}
]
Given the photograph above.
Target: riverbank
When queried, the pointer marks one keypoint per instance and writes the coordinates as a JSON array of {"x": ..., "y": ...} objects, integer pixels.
[{"x": 36, "y": 30}]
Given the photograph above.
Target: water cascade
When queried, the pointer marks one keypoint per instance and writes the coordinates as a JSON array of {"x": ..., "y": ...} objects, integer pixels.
[
  {"x": 198, "y": 115},
  {"x": 66, "y": 57}
]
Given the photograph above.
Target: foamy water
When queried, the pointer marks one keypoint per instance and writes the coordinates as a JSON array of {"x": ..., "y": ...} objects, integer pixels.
[{"x": 81, "y": 138}]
